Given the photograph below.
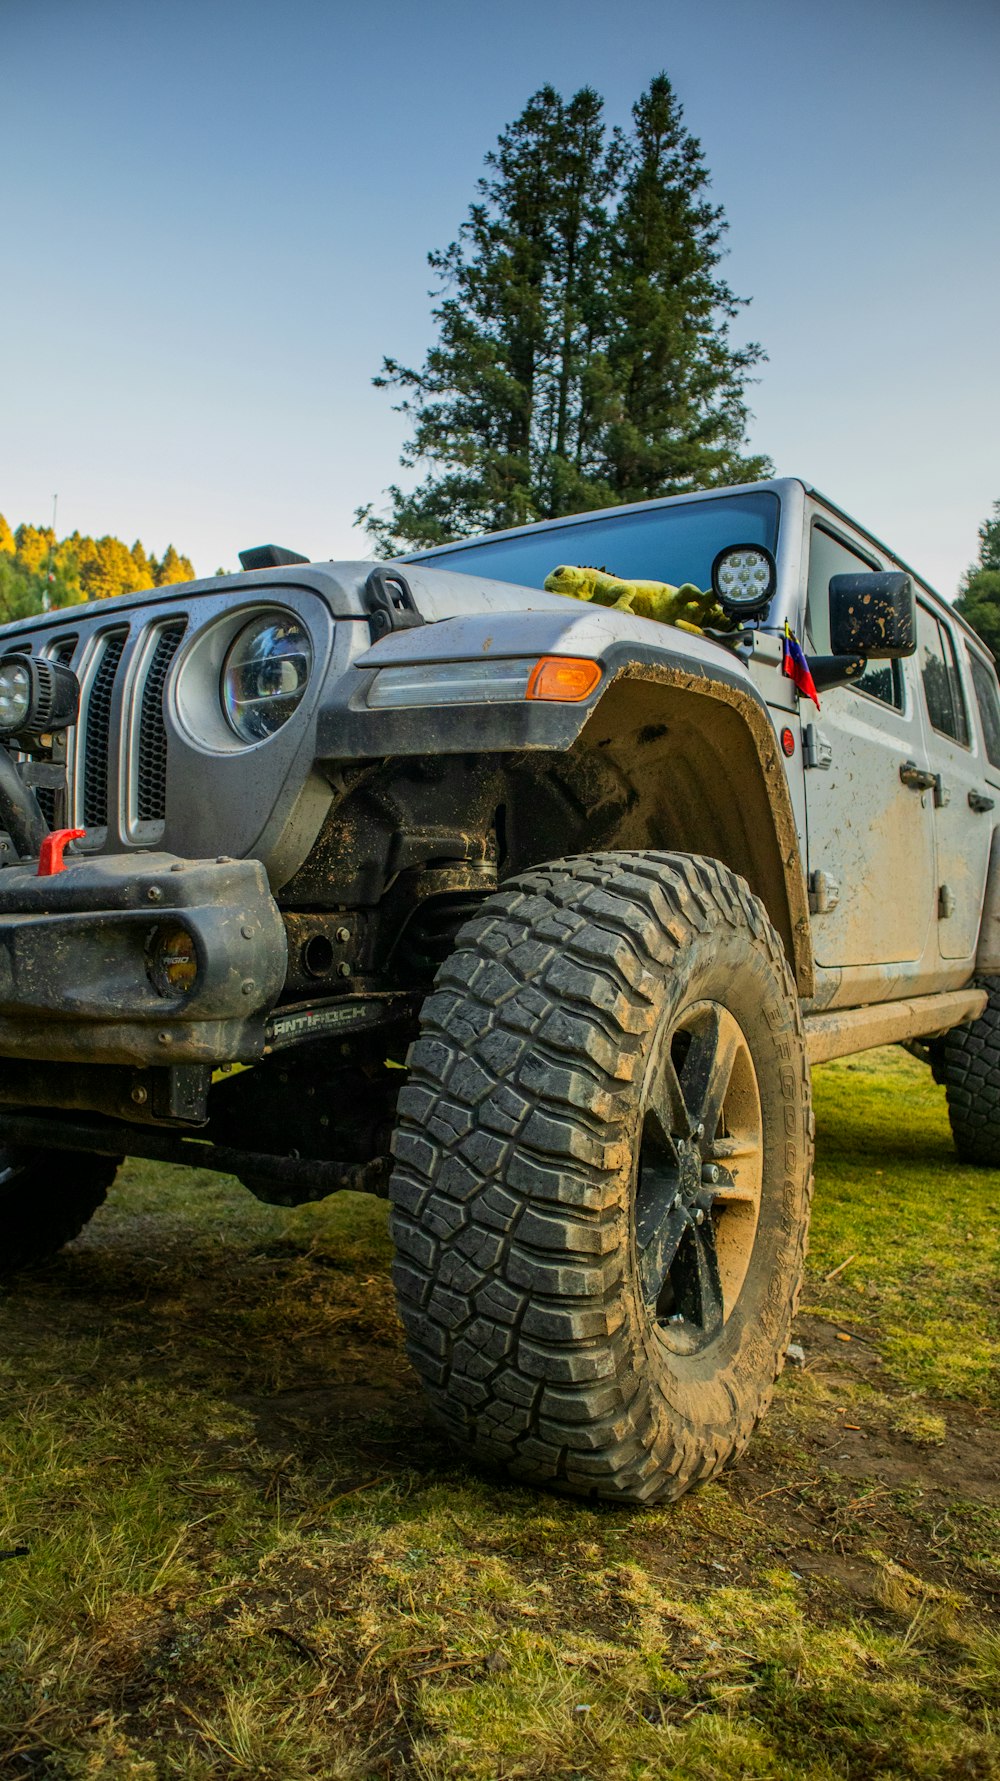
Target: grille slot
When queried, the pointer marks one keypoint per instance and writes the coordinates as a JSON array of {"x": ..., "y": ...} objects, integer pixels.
[
  {"x": 151, "y": 790},
  {"x": 46, "y": 794},
  {"x": 97, "y": 732}
]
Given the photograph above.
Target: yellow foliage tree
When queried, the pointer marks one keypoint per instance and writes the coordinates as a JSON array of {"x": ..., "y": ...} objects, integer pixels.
[
  {"x": 143, "y": 566},
  {"x": 107, "y": 568},
  {"x": 172, "y": 568},
  {"x": 33, "y": 546}
]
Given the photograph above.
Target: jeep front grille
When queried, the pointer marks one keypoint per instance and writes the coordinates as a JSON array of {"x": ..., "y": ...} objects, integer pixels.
[{"x": 115, "y": 756}]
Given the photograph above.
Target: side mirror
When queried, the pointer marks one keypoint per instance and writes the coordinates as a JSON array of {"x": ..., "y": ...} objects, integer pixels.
[
  {"x": 830, "y": 671},
  {"x": 873, "y": 615}
]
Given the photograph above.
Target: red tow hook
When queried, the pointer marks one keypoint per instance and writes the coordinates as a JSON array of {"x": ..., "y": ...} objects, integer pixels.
[{"x": 50, "y": 858}]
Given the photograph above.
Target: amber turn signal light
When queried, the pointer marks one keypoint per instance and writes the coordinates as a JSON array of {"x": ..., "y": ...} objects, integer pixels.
[{"x": 562, "y": 677}]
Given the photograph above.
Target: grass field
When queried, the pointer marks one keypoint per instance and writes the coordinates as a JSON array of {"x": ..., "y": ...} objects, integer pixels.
[{"x": 232, "y": 1545}]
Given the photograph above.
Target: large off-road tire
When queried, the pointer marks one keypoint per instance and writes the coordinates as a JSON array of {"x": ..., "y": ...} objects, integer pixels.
[
  {"x": 603, "y": 1171},
  {"x": 46, "y": 1198},
  {"x": 968, "y": 1063}
]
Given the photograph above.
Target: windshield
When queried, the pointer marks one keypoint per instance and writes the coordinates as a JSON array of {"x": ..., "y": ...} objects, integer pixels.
[{"x": 673, "y": 544}]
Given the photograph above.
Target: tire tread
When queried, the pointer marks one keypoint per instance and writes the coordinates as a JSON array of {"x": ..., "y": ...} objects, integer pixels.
[
  {"x": 968, "y": 1063},
  {"x": 510, "y": 1143}
]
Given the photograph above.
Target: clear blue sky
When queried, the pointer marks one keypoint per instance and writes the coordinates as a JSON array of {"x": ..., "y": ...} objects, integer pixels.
[{"x": 215, "y": 217}]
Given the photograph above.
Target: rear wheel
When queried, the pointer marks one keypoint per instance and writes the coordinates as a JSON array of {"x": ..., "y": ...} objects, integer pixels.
[
  {"x": 968, "y": 1063},
  {"x": 46, "y": 1198},
  {"x": 603, "y": 1167}
]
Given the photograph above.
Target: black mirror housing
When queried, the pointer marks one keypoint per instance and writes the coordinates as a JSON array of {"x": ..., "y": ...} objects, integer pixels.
[
  {"x": 830, "y": 671},
  {"x": 873, "y": 615}
]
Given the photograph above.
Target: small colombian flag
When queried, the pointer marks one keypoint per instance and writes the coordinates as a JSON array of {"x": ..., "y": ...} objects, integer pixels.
[{"x": 795, "y": 665}]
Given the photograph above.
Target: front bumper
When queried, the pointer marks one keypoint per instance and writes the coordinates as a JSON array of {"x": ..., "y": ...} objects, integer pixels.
[{"x": 75, "y": 950}]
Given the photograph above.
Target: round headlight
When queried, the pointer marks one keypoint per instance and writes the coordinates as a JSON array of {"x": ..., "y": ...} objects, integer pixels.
[
  {"x": 15, "y": 695},
  {"x": 265, "y": 674},
  {"x": 744, "y": 579}
]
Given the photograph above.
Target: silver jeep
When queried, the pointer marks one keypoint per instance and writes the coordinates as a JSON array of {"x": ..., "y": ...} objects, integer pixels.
[{"x": 605, "y": 887}]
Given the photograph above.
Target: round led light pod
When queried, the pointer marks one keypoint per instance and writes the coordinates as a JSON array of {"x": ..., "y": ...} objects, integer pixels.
[
  {"x": 744, "y": 578},
  {"x": 15, "y": 695},
  {"x": 36, "y": 696}
]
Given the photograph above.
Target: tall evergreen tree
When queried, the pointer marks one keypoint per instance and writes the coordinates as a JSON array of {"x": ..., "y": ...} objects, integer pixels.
[
  {"x": 490, "y": 405},
  {"x": 676, "y": 411},
  {"x": 583, "y": 353},
  {"x": 979, "y": 596}
]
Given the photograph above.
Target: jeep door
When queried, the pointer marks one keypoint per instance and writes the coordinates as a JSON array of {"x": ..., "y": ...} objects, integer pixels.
[
  {"x": 962, "y": 798},
  {"x": 873, "y": 889}
]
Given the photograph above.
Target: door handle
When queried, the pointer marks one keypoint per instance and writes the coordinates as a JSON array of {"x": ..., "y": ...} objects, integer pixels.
[
  {"x": 979, "y": 801},
  {"x": 917, "y": 778}
]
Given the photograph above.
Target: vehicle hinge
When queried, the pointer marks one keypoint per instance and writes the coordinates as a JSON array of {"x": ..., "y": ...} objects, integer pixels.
[
  {"x": 946, "y": 902},
  {"x": 768, "y": 648},
  {"x": 389, "y": 603},
  {"x": 817, "y": 750},
  {"x": 824, "y": 893}
]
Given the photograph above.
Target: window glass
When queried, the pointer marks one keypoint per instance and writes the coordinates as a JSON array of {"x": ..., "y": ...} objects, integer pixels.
[
  {"x": 674, "y": 544},
  {"x": 828, "y": 557},
  {"x": 985, "y": 682},
  {"x": 941, "y": 678}
]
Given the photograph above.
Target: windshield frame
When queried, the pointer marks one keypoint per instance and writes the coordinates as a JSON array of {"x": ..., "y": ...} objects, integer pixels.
[{"x": 788, "y": 491}]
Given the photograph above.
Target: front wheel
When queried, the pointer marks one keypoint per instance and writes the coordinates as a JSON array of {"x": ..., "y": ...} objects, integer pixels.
[
  {"x": 46, "y": 1198},
  {"x": 603, "y": 1170}
]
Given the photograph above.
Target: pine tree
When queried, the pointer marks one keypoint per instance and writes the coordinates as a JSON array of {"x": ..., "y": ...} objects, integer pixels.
[
  {"x": 979, "y": 596},
  {"x": 989, "y": 543},
  {"x": 584, "y": 177},
  {"x": 583, "y": 353},
  {"x": 676, "y": 407},
  {"x": 474, "y": 403}
]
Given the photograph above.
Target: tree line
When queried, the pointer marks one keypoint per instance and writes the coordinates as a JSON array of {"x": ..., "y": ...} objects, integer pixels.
[{"x": 39, "y": 571}]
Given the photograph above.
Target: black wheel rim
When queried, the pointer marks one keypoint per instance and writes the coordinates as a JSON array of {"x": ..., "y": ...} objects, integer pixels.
[{"x": 698, "y": 1177}]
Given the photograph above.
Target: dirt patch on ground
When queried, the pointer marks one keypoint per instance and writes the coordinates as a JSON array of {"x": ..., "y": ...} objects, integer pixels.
[{"x": 333, "y": 1400}]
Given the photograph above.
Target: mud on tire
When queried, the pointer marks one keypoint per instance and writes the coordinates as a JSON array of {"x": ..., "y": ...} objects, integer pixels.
[
  {"x": 540, "y": 1188},
  {"x": 46, "y": 1198}
]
